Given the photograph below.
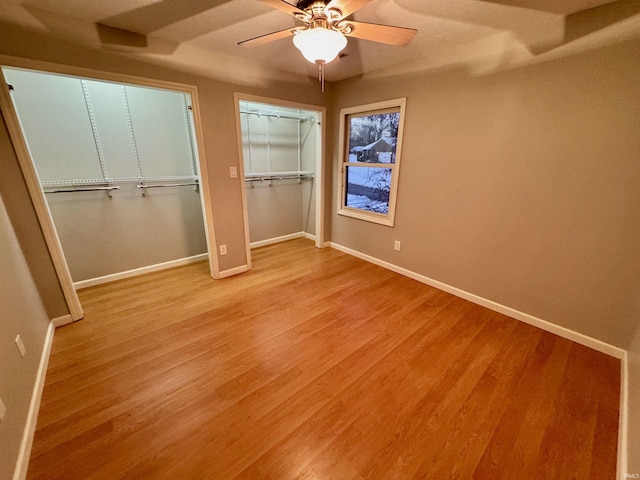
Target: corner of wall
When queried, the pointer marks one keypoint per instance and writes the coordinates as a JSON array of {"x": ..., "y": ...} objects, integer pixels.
[{"x": 22, "y": 463}]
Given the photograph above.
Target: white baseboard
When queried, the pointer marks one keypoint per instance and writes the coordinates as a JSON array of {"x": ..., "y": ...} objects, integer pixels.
[
  {"x": 308, "y": 236},
  {"x": 572, "y": 335},
  {"x": 62, "y": 320},
  {"x": 139, "y": 271},
  {"x": 233, "y": 271},
  {"x": 283, "y": 238},
  {"x": 623, "y": 422},
  {"x": 22, "y": 463}
]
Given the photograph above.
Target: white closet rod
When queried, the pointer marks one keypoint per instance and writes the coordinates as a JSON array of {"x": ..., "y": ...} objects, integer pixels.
[
  {"x": 163, "y": 185},
  {"x": 83, "y": 189},
  {"x": 143, "y": 187}
]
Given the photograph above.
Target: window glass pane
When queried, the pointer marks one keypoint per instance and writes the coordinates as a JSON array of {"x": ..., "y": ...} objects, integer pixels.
[
  {"x": 368, "y": 188},
  {"x": 373, "y": 138}
]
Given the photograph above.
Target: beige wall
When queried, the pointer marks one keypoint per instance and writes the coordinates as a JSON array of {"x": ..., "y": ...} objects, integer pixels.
[
  {"x": 22, "y": 313},
  {"x": 521, "y": 186},
  {"x": 274, "y": 211}
]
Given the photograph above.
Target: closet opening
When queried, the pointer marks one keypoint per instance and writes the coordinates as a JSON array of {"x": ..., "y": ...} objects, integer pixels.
[
  {"x": 118, "y": 165},
  {"x": 281, "y": 160}
]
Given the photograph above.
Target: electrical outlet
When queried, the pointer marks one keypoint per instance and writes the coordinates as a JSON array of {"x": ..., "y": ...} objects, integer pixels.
[
  {"x": 233, "y": 172},
  {"x": 20, "y": 345},
  {"x": 396, "y": 246},
  {"x": 223, "y": 249},
  {"x": 3, "y": 410}
]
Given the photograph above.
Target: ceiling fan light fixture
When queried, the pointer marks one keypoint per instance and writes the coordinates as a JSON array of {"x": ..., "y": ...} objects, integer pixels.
[{"x": 320, "y": 44}]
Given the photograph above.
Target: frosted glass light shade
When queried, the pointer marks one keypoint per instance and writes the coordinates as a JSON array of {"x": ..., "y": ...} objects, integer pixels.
[{"x": 319, "y": 44}]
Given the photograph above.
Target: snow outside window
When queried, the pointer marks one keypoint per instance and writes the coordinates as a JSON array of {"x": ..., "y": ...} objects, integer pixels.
[{"x": 370, "y": 152}]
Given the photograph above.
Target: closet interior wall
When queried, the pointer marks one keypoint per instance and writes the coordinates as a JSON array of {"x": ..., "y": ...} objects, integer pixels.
[
  {"x": 94, "y": 145},
  {"x": 279, "y": 153}
]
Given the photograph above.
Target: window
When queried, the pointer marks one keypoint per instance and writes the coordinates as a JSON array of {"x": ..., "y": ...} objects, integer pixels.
[{"x": 370, "y": 147}]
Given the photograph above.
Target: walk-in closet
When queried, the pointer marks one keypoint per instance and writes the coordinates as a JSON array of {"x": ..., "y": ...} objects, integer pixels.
[
  {"x": 119, "y": 168},
  {"x": 280, "y": 151}
]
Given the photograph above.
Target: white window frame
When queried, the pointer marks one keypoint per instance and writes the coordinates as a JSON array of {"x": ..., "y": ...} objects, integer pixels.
[{"x": 397, "y": 104}]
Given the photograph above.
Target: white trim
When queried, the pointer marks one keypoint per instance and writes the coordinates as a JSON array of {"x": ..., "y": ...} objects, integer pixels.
[
  {"x": 387, "y": 219},
  {"x": 321, "y": 135},
  {"x": 62, "y": 320},
  {"x": 283, "y": 238},
  {"x": 39, "y": 203},
  {"x": 206, "y": 197},
  {"x": 623, "y": 423},
  {"x": 140, "y": 271},
  {"x": 22, "y": 463},
  {"x": 572, "y": 335},
  {"x": 234, "y": 271},
  {"x": 241, "y": 176},
  {"x": 308, "y": 236},
  {"x": 319, "y": 173}
]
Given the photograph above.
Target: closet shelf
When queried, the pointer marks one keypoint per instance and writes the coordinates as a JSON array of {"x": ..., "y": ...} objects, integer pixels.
[
  {"x": 86, "y": 182},
  {"x": 261, "y": 177}
]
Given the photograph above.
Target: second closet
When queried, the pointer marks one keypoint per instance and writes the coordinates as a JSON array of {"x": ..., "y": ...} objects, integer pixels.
[{"x": 280, "y": 149}]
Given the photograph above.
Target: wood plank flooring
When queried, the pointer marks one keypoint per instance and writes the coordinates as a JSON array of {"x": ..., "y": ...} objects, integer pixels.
[{"x": 316, "y": 365}]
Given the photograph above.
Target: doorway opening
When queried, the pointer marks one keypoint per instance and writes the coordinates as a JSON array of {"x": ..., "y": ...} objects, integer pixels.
[
  {"x": 119, "y": 166},
  {"x": 281, "y": 160}
]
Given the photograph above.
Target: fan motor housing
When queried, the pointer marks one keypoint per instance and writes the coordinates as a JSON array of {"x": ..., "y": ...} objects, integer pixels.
[{"x": 307, "y": 4}]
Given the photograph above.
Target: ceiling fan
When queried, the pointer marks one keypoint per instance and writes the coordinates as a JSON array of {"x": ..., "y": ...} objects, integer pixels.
[{"x": 326, "y": 29}]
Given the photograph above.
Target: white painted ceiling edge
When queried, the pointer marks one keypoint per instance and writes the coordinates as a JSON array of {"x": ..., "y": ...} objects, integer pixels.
[{"x": 200, "y": 36}]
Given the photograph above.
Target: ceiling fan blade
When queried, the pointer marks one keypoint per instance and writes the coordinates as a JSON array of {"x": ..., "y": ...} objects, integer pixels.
[
  {"x": 269, "y": 37},
  {"x": 397, "y": 36},
  {"x": 346, "y": 7},
  {"x": 284, "y": 7}
]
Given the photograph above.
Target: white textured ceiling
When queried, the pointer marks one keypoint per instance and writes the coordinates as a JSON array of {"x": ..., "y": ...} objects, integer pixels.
[{"x": 448, "y": 30}]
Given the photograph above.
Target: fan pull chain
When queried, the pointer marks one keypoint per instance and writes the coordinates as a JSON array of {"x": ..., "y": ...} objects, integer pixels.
[{"x": 321, "y": 74}]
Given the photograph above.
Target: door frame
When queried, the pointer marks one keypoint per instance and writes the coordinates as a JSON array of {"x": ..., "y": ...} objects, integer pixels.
[
  {"x": 33, "y": 183},
  {"x": 319, "y": 171}
]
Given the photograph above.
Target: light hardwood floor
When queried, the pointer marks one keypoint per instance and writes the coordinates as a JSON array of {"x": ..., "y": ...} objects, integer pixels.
[{"x": 316, "y": 365}]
